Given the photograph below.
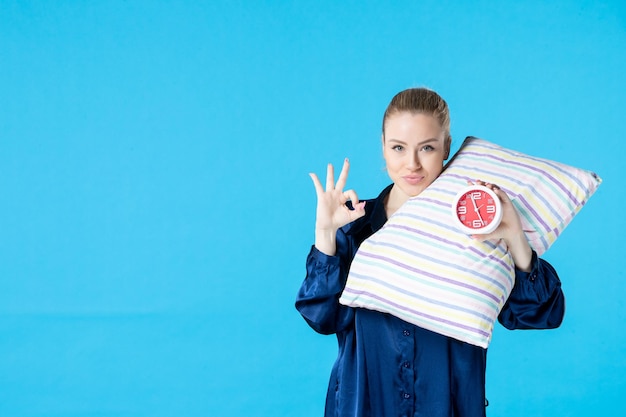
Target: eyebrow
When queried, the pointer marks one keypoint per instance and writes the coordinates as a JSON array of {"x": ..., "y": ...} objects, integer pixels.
[{"x": 420, "y": 143}]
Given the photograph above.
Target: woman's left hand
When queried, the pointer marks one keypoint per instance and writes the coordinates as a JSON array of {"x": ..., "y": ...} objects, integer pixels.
[{"x": 510, "y": 230}]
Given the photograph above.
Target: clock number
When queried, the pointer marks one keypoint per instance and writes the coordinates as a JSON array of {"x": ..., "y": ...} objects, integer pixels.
[
  {"x": 477, "y": 223},
  {"x": 491, "y": 209},
  {"x": 477, "y": 195},
  {"x": 462, "y": 210}
]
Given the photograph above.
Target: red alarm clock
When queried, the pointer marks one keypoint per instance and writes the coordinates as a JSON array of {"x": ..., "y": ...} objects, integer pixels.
[{"x": 476, "y": 210}]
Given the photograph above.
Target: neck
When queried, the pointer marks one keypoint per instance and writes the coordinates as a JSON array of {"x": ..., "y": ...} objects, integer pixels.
[{"x": 395, "y": 199}]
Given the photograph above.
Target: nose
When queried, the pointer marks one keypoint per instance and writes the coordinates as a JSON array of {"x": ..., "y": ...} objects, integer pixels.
[{"x": 413, "y": 161}]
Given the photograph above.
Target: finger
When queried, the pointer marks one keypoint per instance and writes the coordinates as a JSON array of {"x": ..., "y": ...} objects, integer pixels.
[
  {"x": 502, "y": 195},
  {"x": 351, "y": 195},
  {"x": 481, "y": 238},
  {"x": 491, "y": 186},
  {"x": 495, "y": 235},
  {"x": 488, "y": 184},
  {"x": 358, "y": 212},
  {"x": 330, "y": 177},
  {"x": 316, "y": 183},
  {"x": 343, "y": 176}
]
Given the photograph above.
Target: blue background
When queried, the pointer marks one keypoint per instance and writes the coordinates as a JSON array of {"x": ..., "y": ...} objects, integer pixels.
[{"x": 156, "y": 212}]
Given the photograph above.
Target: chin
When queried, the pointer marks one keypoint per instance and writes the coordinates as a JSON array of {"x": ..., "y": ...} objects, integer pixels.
[{"x": 413, "y": 192}]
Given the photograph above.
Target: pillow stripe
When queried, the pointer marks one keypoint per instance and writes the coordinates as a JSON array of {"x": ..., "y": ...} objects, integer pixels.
[
  {"x": 431, "y": 275},
  {"x": 410, "y": 302},
  {"x": 527, "y": 207},
  {"x": 575, "y": 175},
  {"x": 539, "y": 169},
  {"x": 417, "y": 313},
  {"x": 433, "y": 235},
  {"x": 507, "y": 181},
  {"x": 452, "y": 244},
  {"x": 466, "y": 254},
  {"x": 434, "y": 301},
  {"x": 415, "y": 256},
  {"x": 405, "y": 280}
]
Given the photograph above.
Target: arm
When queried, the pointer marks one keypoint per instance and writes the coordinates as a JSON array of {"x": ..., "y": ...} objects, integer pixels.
[
  {"x": 318, "y": 298},
  {"x": 510, "y": 230},
  {"x": 536, "y": 301},
  {"x": 328, "y": 262}
]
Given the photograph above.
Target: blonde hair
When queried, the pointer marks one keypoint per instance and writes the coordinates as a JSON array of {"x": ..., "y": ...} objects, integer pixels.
[{"x": 424, "y": 101}]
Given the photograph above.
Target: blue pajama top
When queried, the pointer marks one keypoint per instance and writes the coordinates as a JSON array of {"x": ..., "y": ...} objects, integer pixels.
[{"x": 388, "y": 367}]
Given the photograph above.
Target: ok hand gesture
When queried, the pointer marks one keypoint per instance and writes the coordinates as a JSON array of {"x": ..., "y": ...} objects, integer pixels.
[{"x": 332, "y": 211}]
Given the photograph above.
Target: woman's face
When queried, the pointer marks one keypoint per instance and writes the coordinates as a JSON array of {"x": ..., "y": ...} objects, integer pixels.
[{"x": 414, "y": 150}]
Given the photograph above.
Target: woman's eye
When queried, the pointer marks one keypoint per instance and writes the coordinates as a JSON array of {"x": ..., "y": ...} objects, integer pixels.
[
  {"x": 428, "y": 148},
  {"x": 398, "y": 148}
]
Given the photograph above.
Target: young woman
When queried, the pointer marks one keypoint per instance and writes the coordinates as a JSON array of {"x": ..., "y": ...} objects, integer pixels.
[{"x": 385, "y": 366}]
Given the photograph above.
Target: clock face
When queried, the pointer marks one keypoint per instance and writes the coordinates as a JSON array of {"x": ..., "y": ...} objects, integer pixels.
[{"x": 477, "y": 209}]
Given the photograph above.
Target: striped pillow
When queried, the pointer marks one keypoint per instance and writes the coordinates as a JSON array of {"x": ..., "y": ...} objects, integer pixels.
[{"x": 420, "y": 268}]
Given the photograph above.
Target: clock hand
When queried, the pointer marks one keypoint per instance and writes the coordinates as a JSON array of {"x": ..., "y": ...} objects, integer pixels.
[{"x": 476, "y": 210}]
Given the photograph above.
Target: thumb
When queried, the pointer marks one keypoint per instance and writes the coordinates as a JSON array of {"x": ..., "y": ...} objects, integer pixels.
[{"x": 483, "y": 238}]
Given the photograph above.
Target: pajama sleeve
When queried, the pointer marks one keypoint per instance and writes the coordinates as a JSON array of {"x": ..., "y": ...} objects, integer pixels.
[
  {"x": 318, "y": 298},
  {"x": 536, "y": 301}
]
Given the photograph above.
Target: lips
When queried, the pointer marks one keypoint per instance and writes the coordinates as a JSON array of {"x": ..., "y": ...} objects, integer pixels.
[{"x": 413, "y": 179}]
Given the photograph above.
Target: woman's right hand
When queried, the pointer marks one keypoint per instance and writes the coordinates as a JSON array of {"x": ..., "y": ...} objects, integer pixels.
[{"x": 332, "y": 212}]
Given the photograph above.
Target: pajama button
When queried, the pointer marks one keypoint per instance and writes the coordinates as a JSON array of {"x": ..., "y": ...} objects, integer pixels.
[
  {"x": 406, "y": 333},
  {"x": 407, "y": 396}
]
